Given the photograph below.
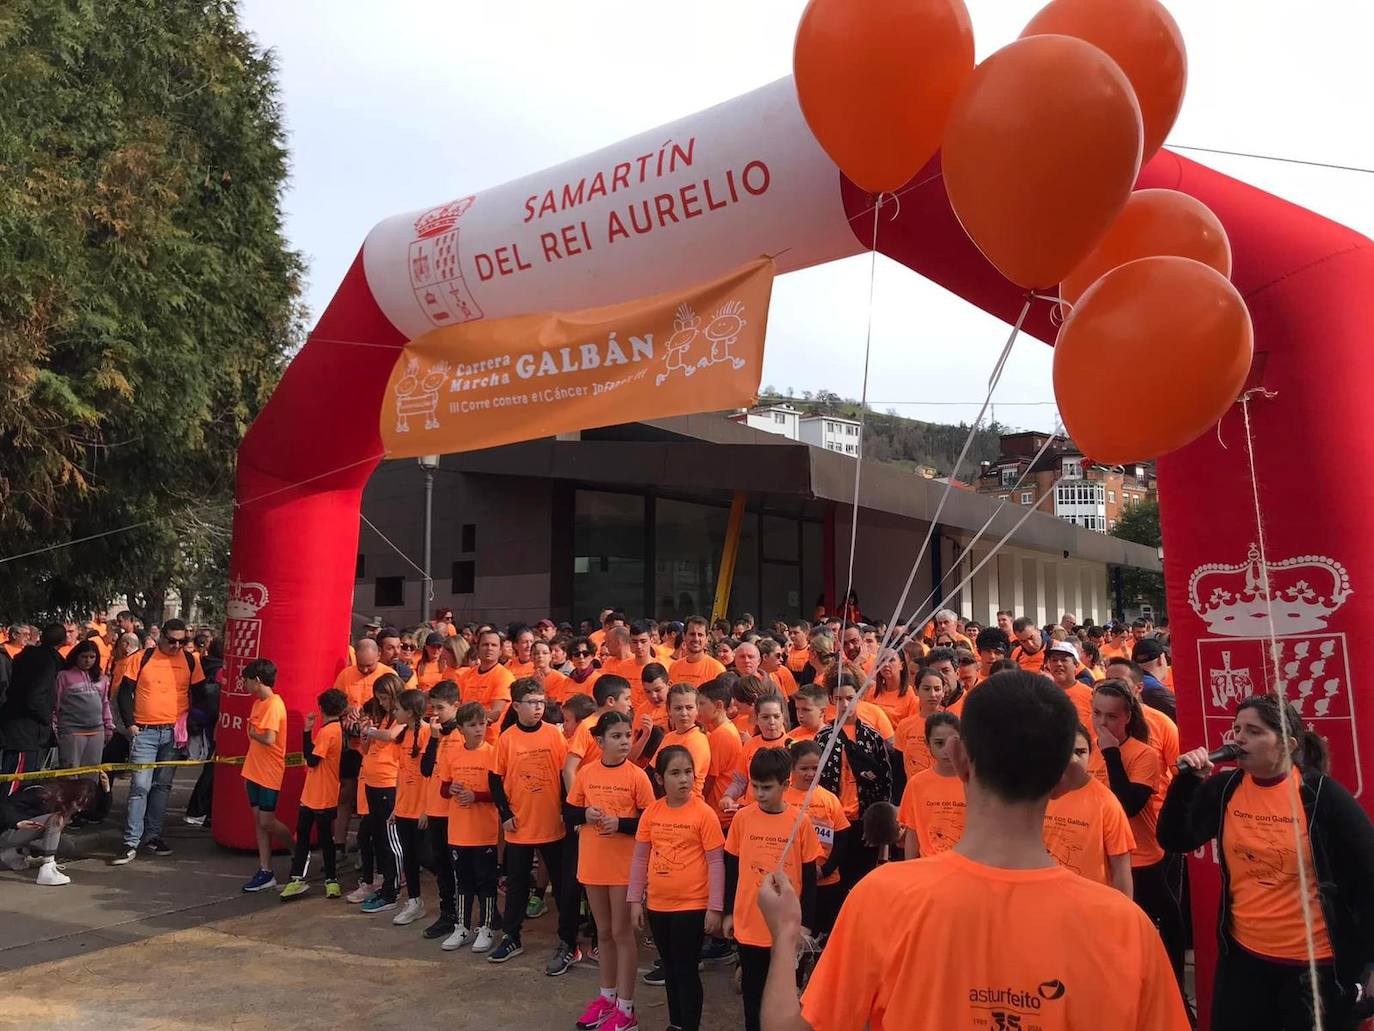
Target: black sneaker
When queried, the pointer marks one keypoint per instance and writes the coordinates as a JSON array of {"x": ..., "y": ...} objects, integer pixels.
[
  {"x": 157, "y": 847},
  {"x": 508, "y": 949},
  {"x": 655, "y": 975},
  {"x": 441, "y": 928}
]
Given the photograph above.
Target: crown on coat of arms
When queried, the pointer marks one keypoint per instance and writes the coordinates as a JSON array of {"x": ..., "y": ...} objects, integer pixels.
[
  {"x": 245, "y": 599},
  {"x": 441, "y": 219},
  {"x": 1302, "y": 592}
]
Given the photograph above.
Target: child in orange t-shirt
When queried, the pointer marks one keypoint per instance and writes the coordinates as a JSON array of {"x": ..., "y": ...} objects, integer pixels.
[
  {"x": 264, "y": 766},
  {"x": 809, "y": 705},
  {"x": 320, "y": 795},
  {"x": 473, "y": 828},
  {"x": 753, "y": 850},
  {"x": 381, "y": 767},
  {"x": 909, "y": 739},
  {"x": 410, "y": 818},
  {"x": 683, "y": 730},
  {"x": 444, "y": 738},
  {"x": 724, "y": 740},
  {"x": 677, "y": 880},
  {"x": 526, "y": 784},
  {"x": 831, "y": 825},
  {"x": 612, "y": 694},
  {"x": 651, "y": 716},
  {"x": 604, "y": 804},
  {"x": 771, "y": 720},
  {"x": 932, "y": 809}
]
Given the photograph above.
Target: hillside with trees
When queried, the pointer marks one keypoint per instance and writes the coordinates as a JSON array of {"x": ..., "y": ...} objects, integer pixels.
[{"x": 889, "y": 437}]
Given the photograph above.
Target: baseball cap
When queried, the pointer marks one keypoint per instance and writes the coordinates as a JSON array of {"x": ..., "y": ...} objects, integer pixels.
[
  {"x": 1062, "y": 648},
  {"x": 546, "y": 623},
  {"x": 434, "y": 637},
  {"x": 1148, "y": 649},
  {"x": 375, "y": 623}
]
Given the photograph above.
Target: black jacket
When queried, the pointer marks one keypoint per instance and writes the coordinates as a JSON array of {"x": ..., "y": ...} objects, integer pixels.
[
  {"x": 26, "y": 713},
  {"x": 1342, "y": 840}
]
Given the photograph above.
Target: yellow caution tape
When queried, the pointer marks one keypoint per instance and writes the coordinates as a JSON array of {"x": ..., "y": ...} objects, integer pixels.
[{"x": 294, "y": 759}]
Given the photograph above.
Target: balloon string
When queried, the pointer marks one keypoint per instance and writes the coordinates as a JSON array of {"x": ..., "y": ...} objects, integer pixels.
[
  {"x": 1280, "y": 690},
  {"x": 863, "y": 411},
  {"x": 884, "y": 645}
]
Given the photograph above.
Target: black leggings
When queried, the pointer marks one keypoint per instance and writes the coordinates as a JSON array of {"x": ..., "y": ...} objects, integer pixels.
[
  {"x": 857, "y": 859},
  {"x": 829, "y": 898},
  {"x": 306, "y": 819},
  {"x": 408, "y": 832},
  {"x": 518, "y": 862},
  {"x": 443, "y": 863},
  {"x": 474, "y": 868},
  {"x": 753, "y": 975},
  {"x": 385, "y": 846},
  {"x": 678, "y": 936},
  {"x": 1256, "y": 994},
  {"x": 1159, "y": 892}
]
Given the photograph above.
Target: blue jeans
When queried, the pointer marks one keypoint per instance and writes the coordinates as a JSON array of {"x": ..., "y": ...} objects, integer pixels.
[{"x": 149, "y": 789}]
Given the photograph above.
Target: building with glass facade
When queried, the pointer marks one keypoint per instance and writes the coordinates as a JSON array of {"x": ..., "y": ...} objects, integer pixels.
[{"x": 634, "y": 516}]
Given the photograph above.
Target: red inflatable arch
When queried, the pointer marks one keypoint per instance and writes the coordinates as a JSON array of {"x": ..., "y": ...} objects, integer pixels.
[{"x": 710, "y": 191}]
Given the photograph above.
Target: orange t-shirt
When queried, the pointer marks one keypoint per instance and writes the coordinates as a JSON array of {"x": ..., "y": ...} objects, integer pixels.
[
  {"x": 427, "y": 677},
  {"x": 381, "y": 761},
  {"x": 910, "y": 740},
  {"x": 1164, "y": 740},
  {"x": 531, "y": 764},
  {"x": 827, "y": 820},
  {"x": 597, "y": 637},
  {"x": 478, "y": 823},
  {"x": 487, "y": 689},
  {"x": 871, "y": 714},
  {"x": 663, "y": 653},
  {"x": 757, "y": 838},
  {"x": 694, "y": 673},
  {"x": 265, "y": 765},
  {"x": 412, "y": 789},
  {"x": 744, "y": 722},
  {"x": 13, "y": 648},
  {"x": 1085, "y": 957},
  {"x": 1082, "y": 697},
  {"x": 435, "y": 803},
  {"x": 1142, "y": 767},
  {"x": 1033, "y": 663},
  {"x": 1084, "y": 827},
  {"x": 933, "y": 807},
  {"x": 678, "y": 841},
  {"x": 746, "y": 753},
  {"x": 622, "y": 790},
  {"x": 163, "y": 691},
  {"x": 358, "y": 685},
  {"x": 582, "y": 744},
  {"x": 782, "y": 679},
  {"x": 802, "y": 734},
  {"x": 1262, "y": 860},
  {"x": 695, "y": 742},
  {"x": 632, "y": 670},
  {"x": 557, "y": 686},
  {"x": 725, "y": 747},
  {"x": 519, "y": 669},
  {"x": 898, "y": 707},
  {"x": 321, "y": 790},
  {"x": 797, "y": 660}
]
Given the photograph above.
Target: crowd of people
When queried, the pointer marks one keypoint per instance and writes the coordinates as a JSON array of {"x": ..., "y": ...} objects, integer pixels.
[{"x": 650, "y": 779}]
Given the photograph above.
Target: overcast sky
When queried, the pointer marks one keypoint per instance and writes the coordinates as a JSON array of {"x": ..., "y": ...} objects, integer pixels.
[{"x": 392, "y": 106}]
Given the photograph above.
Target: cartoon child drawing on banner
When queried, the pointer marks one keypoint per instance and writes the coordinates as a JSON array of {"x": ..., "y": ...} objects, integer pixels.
[
  {"x": 686, "y": 326},
  {"x": 723, "y": 330}
]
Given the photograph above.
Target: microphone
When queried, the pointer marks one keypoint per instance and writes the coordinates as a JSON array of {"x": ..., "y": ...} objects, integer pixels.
[{"x": 1224, "y": 754}]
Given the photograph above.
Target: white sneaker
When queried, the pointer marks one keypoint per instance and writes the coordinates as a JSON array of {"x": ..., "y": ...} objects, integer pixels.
[
  {"x": 360, "y": 893},
  {"x": 13, "y": 858},
  {"x": 484, "y": 939},
  {"x": 195, "y": 821},
  {"x": 410, "y": 912},
  {"x": 460, "y": 937},
  {"x": 50, "y": 875},
  {"x": 128, "y": 855}
]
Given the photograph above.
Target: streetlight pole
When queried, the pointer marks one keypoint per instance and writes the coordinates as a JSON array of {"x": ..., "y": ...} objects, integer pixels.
[{"x": 428, "y": 463}]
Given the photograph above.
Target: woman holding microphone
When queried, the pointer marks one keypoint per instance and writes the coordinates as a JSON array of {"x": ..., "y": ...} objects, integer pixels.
[{"x": 1262, "y": 977}]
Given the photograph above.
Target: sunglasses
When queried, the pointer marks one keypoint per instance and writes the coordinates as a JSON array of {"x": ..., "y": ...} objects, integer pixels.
[
  {"x": 582, "y": 654},
  {"x": 177, "y": 642}
]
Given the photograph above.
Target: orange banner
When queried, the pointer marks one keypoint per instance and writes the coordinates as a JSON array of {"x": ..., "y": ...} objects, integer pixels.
[{"x": 498, "y": 381}]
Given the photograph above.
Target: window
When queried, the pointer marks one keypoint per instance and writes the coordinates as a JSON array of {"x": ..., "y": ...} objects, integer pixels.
[
  {"x": 851, "y": 449},
  {"x": 391, "y": 592},
  {"x": 1111, "y": 496},
  {"x": 1003, "y": 497},
  {"x": 1140, "y": 472},
  {"x": 468, "y": 537},
  {"x": 1027, "y": 497},
  {"x": 1009, "y": 476},
  {"x": 1073, "y": 468},
  {"x": 829, "y": 427},
  {"x": 853, "y": 431},
  {"x": 779, "y": 417},
  {"x": 464, "y": 577},
  {"x": 360, "y": 568}
]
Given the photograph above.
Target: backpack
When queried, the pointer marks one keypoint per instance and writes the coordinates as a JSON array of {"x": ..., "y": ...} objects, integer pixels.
[{"x": 148, "y": 654}]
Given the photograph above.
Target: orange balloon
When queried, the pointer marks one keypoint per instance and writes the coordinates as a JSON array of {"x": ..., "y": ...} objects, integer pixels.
[
  {"x": 1154, "y": 222},
  {"x": 1041, "y": 152},
  {"x": 1143, "y": 38},
  {"x": 876, "y": 80},
  {"x": 1184, "y": 332}
]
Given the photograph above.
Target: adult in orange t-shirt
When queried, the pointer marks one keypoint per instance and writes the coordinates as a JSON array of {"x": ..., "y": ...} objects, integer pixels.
[
  {"x": 621, "y": 660},
  {"x": 942, "y": 922},
  {"x": 488, "y": 683},
  {"x": 772, "y": 671},
  {"x": 695, "y": 667},
  {"x": 1029, "y": 652},
  {"x": 264, "y": 766},
  {"x": 154, "y": 694},
  {"x": 798, "y": 646},
  {"x": 909, "y": 738},
  {"x": 1086, "y": 829},
  {"x": 892, "y": 691},
  {"x": 1061, "y": 666},
  {"x": 428, "y": 668}
]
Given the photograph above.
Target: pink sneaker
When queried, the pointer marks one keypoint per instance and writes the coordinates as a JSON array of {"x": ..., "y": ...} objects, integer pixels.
[
  {"x": 597, "y": 1013},
  {"x": 620, "y": 1021}
]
